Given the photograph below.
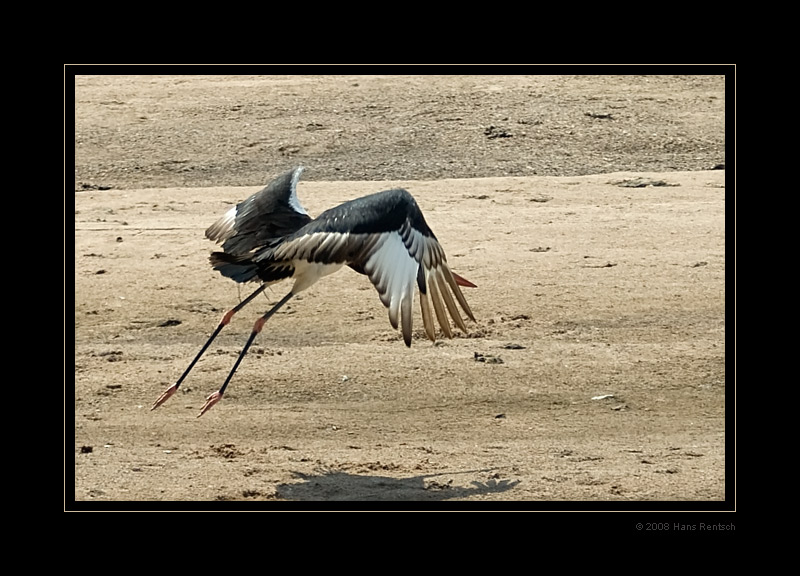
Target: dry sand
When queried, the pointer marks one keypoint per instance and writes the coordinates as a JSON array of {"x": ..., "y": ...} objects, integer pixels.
[{"x": 595, "y": 370}]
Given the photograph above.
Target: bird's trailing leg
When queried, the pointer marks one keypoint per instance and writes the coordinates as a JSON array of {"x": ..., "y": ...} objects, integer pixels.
[
  {"x": 217, "y": 396},
  {"x": 222, "y": 323}
]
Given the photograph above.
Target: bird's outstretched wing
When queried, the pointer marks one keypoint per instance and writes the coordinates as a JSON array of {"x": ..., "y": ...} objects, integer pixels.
[
  {"x": 384, "y": 236},
  {"x": 268, "y": 215}
]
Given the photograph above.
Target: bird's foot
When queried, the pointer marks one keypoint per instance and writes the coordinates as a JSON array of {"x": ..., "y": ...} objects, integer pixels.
[
  {"x": 210, "y": 401},
  {"x": 165, "y": 396}
]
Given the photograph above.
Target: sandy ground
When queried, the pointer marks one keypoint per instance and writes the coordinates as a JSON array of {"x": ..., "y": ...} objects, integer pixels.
[{"x": 595, "y": 370}]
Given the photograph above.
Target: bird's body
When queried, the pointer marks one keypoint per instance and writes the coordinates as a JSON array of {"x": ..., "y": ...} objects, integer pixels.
[{"x": 270, "y": 237}]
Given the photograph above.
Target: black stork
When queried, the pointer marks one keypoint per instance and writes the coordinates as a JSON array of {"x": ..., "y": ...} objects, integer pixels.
[{"x": 270, "y": 237}]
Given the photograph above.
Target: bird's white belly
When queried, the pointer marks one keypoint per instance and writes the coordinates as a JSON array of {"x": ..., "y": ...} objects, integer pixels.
[{"x": 307, "y": 273}]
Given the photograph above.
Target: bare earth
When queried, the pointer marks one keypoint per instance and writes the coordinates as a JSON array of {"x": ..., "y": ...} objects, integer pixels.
[{"x": 587, "y": 210}]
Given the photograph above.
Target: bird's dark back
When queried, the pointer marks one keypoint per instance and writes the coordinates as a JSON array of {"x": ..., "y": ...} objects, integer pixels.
[{"x": 385, "y": 211}]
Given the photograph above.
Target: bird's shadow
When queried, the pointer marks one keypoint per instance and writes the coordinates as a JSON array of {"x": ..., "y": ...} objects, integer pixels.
[{"x": 332, "y": 485}]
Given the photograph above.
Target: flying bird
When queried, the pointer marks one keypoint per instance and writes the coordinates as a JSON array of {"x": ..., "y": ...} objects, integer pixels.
[{"x": 270, "y": 237}]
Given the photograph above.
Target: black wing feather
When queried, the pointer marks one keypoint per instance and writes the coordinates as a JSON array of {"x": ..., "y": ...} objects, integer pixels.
[{"x": 263, "y": 218}]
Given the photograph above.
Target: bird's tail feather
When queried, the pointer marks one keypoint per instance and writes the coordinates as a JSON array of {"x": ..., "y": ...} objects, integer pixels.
[{"x": 237, "y": 268}]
